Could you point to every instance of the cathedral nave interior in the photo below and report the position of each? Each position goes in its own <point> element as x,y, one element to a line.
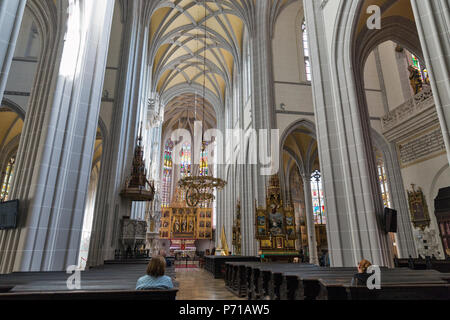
<point>247,136</point>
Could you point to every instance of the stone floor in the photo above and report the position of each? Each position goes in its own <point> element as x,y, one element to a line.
<point>194,284</point>
<point>198,284</point>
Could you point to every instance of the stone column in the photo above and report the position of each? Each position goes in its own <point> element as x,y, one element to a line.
<point>433,20</point>
<point>11,13</point>
<point>57,146</point>
<point>117,161</point>
<point>263,88</point>
<point>310,225</point>
<point>345,151</point>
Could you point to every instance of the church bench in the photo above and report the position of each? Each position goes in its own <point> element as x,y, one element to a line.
<point>291,286</point>
<point>420,292</point>
<point>246,283</point>
<point>423,264</point>
<point>393,289</point>
<point>233,276</point>
<point>139,295</point>
<point>261,276</point>
<point>216,264</point>
<point>276,277</point>
<point>304,284</point>
<point>337,288</point>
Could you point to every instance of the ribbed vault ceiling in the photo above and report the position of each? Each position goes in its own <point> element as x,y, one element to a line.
<point>10,126</point>
<point>177,32</point>
<point>184,110</point>
<point>301,147</point>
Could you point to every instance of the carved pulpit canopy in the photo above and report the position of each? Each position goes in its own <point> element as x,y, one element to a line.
<point>137,186</point>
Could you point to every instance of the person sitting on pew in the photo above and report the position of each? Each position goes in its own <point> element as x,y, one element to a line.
<point>360,279</point>
<point>155,278</point>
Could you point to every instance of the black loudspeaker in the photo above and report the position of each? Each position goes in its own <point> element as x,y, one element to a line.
<point>390,220</point>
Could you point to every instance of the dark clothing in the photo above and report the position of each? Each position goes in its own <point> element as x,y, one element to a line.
<point>360,279</point>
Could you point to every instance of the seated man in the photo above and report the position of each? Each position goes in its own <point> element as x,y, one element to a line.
<point>155,278</point>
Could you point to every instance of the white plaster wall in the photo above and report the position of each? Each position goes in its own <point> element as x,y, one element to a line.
<point>287,45</point>
<point>391,74</point>
<point>291,86</point>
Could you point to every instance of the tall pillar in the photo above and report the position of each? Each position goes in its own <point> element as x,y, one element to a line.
<point>433,24</point>
<point>345,151</point>
<point>263,88</point>
<point>310,225</point>
<point>57,146</point>
<point>11,13</point>
<point>117,161</point>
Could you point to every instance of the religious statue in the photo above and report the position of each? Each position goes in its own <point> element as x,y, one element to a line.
<point>176,226</point>
<point>415,79</point>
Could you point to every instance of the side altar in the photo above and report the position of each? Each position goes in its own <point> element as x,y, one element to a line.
<point>275,226</point>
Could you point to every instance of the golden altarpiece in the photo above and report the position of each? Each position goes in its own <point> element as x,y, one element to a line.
<point>179,222</point>
<point>275,226</point>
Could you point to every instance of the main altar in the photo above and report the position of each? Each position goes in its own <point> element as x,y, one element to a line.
<point>184,225</point>
<point>275,226</point>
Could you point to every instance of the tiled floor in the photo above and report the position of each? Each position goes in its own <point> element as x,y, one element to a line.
<point>198,284</point>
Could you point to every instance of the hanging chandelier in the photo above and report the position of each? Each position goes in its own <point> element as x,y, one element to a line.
<point>200,189</point>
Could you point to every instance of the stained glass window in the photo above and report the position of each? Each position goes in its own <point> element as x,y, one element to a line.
<point>423,71</point>
<point>317,198</point>
<point>382,179</point>
<point>7,177</point>
<point>185,168</point>
<point>204,163</point>
<point>167,173</point>
<point>306,51</point>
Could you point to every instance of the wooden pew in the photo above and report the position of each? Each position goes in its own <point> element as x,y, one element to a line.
<point>423,264</point>
<point>276,277</point>
<point>295,285</point>
<point>216,264</point>
<point>395,284</point>
<point>261,277</point>
<point>139,295</point>
<point>401,292</point>
<point>237,277</point>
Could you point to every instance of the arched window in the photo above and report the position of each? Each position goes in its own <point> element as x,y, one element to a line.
<point>414,62</point>
<point>7,177</point>
<point>185,168</point>
<point>385,193</point>
<point>204,163</point>
<point>317,198</point>
<point>306,51</point>
<point>247,69</point>
<point>167,173</point>
<point>382,179</point>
